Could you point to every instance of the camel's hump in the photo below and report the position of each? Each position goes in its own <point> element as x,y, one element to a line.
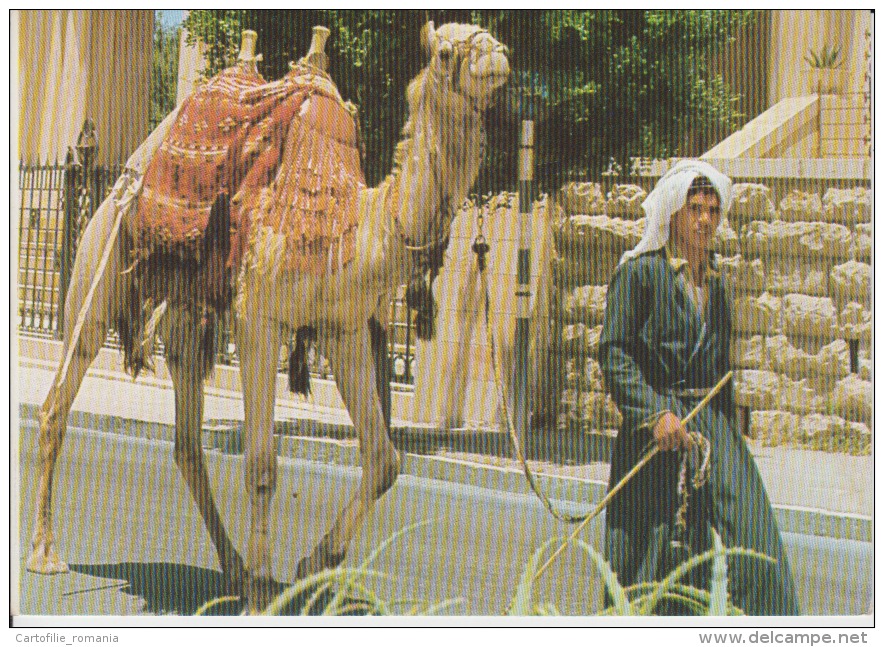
<point>330,118</point>
<point>230,138</point>
<point>310,195</point>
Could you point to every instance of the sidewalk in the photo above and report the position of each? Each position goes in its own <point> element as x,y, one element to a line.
<point>814,493</point>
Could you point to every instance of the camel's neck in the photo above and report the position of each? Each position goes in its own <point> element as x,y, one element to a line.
<point>437,161</point>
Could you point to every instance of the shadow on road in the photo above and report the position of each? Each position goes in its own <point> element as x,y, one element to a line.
<point>571,446</point>
<point>559,446</point>
<point>180,589</point>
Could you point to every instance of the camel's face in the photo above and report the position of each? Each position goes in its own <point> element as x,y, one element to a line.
<point>472,58</point>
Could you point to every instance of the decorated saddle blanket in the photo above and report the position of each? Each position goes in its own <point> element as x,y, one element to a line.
<point>245,155</point>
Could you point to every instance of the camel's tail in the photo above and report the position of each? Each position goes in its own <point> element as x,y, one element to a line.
<point>299,375</point>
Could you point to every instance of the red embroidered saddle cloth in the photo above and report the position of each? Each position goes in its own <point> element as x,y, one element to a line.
<point>284,154</point>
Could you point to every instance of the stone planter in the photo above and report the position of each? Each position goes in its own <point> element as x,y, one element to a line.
<point>826,80</point>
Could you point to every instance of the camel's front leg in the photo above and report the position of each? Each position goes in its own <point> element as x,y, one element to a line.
<point>184,346</point>
<point>353,365</point>
<point>69,376</point>
<point>258,343</point>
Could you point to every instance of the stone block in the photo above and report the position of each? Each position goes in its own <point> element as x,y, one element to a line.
<point>726,240</point>
<point>575,270</point>
<point>786,274</point>
<point>832,361</point>
<point>760,314</point>
<point>625,201</point>
<point>834,434</point>
<point>598,235</point>
<point>593,336</point>
<point>584,375</point>
<point>801,206</point>
<point>601,412</point>
<point>800,396</point>
<point>865,369</point>
<point>774,428</point>
<point>594,409</point>
<point>805,316</point>
<point>851,281</point>
<point>803,239</point>
<point>758,390</point>
<point>573,339</point>
<point>582,198</point>
<point>852,399</point>
<point>855,322</point>
<point>581,340</point>
<point>848,206</point>
<point>742,274</point>
<point>585,305</point>
<point>864,242</point>
<point>751,202</point>
<point>593,374</point>
<point>748,353</point>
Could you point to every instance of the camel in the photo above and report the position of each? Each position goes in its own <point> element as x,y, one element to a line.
<point>403,224</point>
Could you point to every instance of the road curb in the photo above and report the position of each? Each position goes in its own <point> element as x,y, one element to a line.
<point>573,494</point>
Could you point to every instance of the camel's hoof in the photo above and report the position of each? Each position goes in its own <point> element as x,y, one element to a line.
<point>45,561</point>
<point>320,560</point>
<point>260,594</point>
<point>235,578</point>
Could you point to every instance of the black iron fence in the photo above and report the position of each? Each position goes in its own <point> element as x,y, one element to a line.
<point>40,223</point>
<point>56,203</point>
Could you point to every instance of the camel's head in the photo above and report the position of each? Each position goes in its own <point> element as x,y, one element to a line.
<point>469,56</point>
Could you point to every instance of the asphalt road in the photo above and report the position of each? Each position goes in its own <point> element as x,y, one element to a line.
<point>136,544</point>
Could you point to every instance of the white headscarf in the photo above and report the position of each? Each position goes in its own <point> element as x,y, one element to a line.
<point>670,195</point>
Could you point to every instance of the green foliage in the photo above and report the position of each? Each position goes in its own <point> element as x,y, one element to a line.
<point>353,594</point>
<point>643,599</point>
<point>600,84</point>
<point>345,591</point>
<point>164,72</point>
<point>825,58</point>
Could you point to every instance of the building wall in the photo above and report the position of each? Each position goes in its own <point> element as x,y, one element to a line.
<point>797,255</point>
<point>795,33</point>
<point>75,65</point>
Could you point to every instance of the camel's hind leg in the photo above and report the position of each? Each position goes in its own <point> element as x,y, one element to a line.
<point>189,355</point>
<point>354,368</point>
<point>93,317</point>
<point>53,422</point>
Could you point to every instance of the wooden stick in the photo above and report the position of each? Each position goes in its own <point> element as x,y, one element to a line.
<point>644,461</point>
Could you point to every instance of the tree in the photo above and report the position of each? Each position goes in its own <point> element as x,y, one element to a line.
<point>600,84</point>
<point>164,72</point>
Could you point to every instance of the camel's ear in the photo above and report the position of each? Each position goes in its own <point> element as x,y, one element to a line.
<point>428,38</point>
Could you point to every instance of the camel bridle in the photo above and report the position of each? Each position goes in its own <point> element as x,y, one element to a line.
<point>425,254</point>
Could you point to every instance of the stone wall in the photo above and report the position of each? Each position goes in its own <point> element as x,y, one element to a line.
<point>798,261</point>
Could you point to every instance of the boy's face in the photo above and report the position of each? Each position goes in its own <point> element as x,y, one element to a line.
<point>693,226</point>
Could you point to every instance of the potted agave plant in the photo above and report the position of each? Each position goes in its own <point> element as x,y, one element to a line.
<point>826,74</point>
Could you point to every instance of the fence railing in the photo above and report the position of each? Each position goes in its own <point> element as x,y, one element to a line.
<point>40,223</point>
<point>56,203</point>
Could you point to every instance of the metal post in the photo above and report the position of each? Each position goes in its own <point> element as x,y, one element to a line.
<point>72,172</point>
<point>853,345</point>
<point>523,276</point>
<point>79,201</point>
<point>745,421</point>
